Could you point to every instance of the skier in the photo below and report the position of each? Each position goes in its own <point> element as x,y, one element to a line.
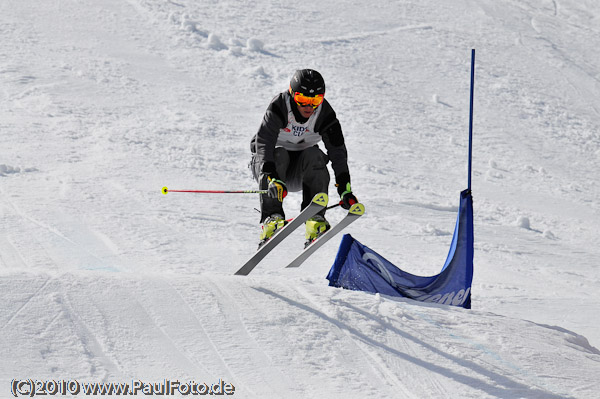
<point>286,155</point>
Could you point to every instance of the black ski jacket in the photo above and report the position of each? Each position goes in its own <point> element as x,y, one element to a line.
<point>283,126</point>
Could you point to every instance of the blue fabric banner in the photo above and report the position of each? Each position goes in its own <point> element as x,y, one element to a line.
<point>359,268</point>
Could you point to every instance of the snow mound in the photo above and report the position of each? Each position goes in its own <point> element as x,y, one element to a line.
<point>280,338</point>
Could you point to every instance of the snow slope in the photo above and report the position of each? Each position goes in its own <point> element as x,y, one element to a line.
<point>103,279</point>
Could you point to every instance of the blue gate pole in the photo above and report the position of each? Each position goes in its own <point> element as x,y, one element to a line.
<point>471,115</point>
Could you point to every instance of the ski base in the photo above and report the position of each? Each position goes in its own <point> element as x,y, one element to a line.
<point>319,202</point>
<point>355,211</point>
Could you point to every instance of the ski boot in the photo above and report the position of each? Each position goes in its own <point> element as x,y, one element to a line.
<point>315,226</point>
<point>270,226</point>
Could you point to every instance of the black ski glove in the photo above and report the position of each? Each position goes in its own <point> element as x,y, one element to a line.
<point>347,199</point>
<point>277,188</point>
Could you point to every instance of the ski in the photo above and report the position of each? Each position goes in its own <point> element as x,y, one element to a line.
<point>355,211</point>
<point>319,202</point>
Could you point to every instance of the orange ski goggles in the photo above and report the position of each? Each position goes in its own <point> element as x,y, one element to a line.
<point>304,101</point>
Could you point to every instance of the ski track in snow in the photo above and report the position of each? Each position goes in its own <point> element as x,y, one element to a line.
<point>377,367</point>
<point>104,279</point>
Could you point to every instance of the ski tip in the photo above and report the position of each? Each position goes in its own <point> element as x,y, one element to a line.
<point>164,190</point>
<point>357,209</point>
<point>321,199</point>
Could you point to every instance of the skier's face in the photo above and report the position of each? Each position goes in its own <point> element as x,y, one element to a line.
<point>306,104</point>
<point>306,110</point>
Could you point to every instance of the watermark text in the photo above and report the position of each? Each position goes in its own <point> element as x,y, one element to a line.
<point>32,387</point>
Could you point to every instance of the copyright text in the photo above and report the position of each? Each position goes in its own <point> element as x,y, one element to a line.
<point>32,387</point>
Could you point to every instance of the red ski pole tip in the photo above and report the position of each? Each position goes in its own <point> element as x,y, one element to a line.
<point>165,190</point>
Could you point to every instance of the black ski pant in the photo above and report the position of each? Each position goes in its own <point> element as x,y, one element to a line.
<point>304,171</point>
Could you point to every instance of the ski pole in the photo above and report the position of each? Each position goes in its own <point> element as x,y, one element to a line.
<point>166,190</point>
<point>290,219</point>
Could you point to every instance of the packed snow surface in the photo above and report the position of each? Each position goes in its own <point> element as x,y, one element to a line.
<point>104,279</point>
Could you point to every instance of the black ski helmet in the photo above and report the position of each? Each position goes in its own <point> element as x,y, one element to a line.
<point>308,82</point>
